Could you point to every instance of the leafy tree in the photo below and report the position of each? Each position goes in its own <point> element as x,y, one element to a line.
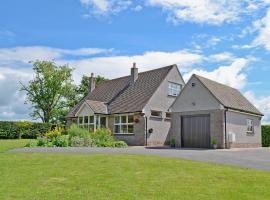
<point>51,93</point>
<point>83,88</point>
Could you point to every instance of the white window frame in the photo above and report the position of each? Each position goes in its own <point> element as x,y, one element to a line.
<point>174,89</point>
<point>120,124</point>
<point>250,125</point>
<point>94,124</point>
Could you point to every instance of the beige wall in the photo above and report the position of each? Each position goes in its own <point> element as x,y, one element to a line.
<point>160,101</point>
<point>237,124</point>
<point>199,95</point>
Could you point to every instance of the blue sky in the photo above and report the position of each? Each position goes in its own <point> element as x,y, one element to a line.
<point>227,41</point>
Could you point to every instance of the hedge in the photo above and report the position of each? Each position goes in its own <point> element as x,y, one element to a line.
<point>266,135</point>
<point>27,130</point>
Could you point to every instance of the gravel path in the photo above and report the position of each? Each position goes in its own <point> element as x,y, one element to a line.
<point>248,158</point>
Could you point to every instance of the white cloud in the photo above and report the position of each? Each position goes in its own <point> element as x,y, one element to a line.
<point>224,56</point>
<point>263,27</point>
<point>262,103</point>
<point>231,75</point>
<point>138,8</point>
<point>105,7</point>
<point>116,66</point>
<point>26,54</point>
<point>201,11</point>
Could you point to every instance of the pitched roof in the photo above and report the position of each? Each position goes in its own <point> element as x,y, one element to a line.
<point>97,106</point>
<point>229,97</point>
<point>122,96</point>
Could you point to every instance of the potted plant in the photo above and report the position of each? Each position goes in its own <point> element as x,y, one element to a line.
<point>173,143</point>
<point>214,143</point>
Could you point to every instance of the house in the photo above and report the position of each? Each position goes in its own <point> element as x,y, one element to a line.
<point>134,107</point>
<point>206,110</point>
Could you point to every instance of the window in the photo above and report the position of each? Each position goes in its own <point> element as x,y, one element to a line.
<point>92,122</point>
<point>168,115</point>
<point>250,127</point>
<point>174,89</point>
<point>123,124</point>
<point>193,84</point>
<point>155,113</point>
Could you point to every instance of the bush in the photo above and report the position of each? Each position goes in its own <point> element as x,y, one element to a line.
<point>55,132</point>
<point>74,130</point>
<point>266,135</point>
<point>76,141</point>
<point>120,144</point>
<point>31,143</point>
<point>61,141</point>
<point>42,142</point>
<point>26,130</point>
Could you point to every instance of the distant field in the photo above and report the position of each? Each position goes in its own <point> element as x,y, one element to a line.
<point>100,176</point>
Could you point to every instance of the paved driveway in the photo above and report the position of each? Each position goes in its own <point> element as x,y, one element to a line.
<point>248,158</point>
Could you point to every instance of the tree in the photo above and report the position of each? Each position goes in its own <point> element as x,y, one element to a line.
<point>50,92</point>
<point>83,88</point>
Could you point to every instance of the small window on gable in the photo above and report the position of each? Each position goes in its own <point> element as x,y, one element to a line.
<point>250,126</point>
<point>193,84</point>
<point>174,89</point>
<point>168,115</point>
<point>155,113</point>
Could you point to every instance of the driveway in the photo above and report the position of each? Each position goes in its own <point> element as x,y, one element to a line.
<point>248,158</point>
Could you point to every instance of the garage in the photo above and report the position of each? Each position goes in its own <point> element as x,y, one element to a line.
<point>196,131</point>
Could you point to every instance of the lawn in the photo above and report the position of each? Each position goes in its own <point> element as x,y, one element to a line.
<point>99,176</point>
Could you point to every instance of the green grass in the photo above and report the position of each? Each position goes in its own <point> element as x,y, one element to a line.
<point>40,176</point>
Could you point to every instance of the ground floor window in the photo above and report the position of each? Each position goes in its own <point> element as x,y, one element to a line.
<point>250,126</point>
<point>124,124</point>
<point>92,122</point>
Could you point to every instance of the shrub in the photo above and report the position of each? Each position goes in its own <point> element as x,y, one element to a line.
<point>26,130</point>
<point>266,135</point>
<point>42,142</point>
<point>77,141</point>
<point>54,133</point>
<point>74,130</point>
<point>120,144</point>
<point>31,143</point>
<point>61,141</point>
<point>102,137</point>
<point>173,142</point>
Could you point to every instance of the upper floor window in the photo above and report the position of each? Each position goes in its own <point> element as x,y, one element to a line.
<point>174,89</point>
<point>250,126</point>
<point>155,113</point>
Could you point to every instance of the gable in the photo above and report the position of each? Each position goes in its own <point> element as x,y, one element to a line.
<point>195,98</point>
<point>160,100</point>
<point>84,110</point>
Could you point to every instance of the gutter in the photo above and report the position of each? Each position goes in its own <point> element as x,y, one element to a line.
<point>225,127</point>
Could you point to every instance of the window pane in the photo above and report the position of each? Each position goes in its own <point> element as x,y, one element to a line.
<point>117,119</point>
<point>123,129</point>
<point>117,129</point>
<point>85,126</point>
<point>80,120</point>
<point>168,115</point>
<point>86,119</point>
<point>91,119</point>
<point>103,122</point>
<point>97,121</point>
<point>130,119</point>
<point>156,113</point>
<point>130,129</point>
<point>123,119</point>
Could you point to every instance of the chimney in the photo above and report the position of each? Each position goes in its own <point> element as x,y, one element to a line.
<point>134,73</point>
<point>92,82</point>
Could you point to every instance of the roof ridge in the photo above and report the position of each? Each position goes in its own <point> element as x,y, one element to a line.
<point>160,68</point>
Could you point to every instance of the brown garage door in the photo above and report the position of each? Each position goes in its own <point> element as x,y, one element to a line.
<point>196,131</point>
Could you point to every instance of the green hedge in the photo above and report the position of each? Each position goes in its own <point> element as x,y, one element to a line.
<point>27,130</point>
<point>266,135</point>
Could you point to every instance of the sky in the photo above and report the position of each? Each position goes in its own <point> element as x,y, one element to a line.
<point>226,40</point>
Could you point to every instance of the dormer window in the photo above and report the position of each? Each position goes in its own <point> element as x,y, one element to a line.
<point>174,89</point>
